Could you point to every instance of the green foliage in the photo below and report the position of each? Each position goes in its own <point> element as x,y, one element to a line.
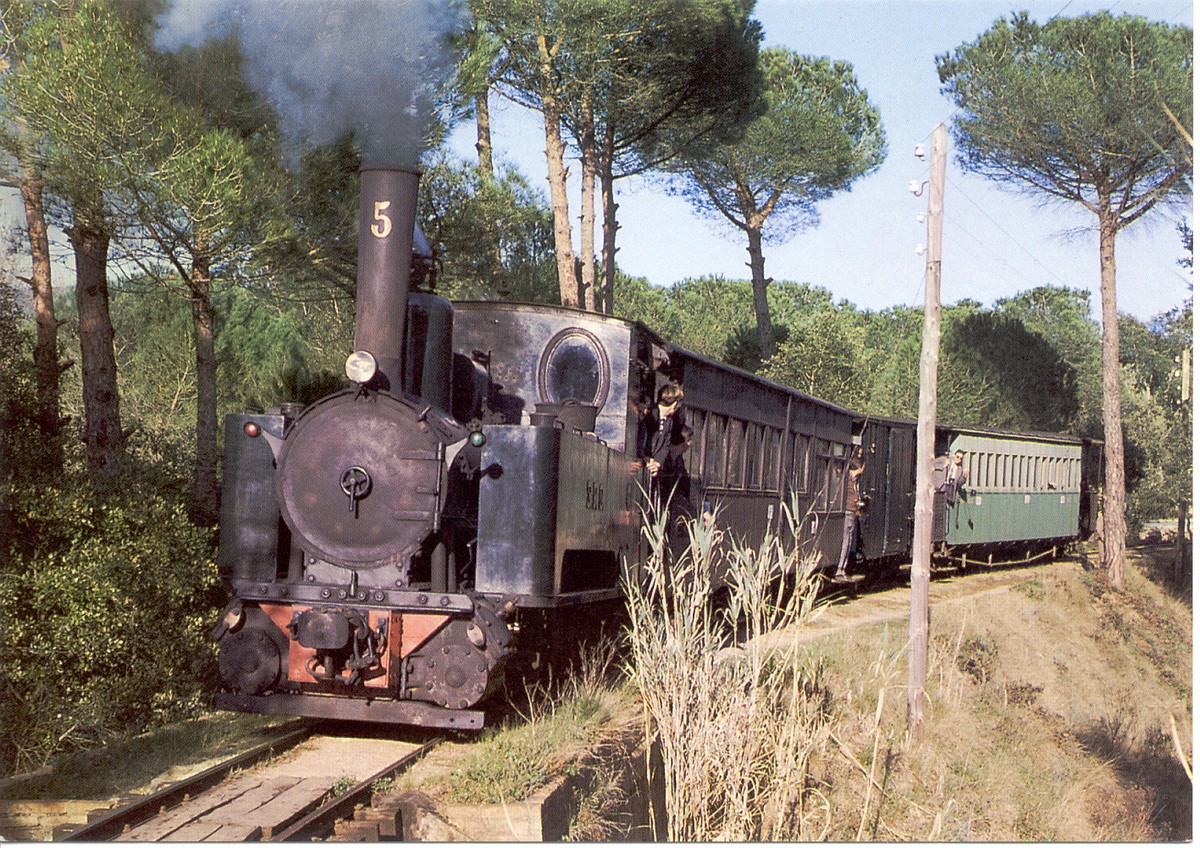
<point>636,299</point>
<point>818,134</point>
<point>742,349</point>
<point>21,445</point>
<point>998,374</point>
<point>462,212</point>
<point>1062,316</point>
<point>1074,108</point>
<point>823,357</point>
<point>106,602</point>
<point>667,79</point>
<point>63,89</point>
<point>210,78</point>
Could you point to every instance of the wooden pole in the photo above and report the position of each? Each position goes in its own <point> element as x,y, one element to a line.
<point>918,627</point>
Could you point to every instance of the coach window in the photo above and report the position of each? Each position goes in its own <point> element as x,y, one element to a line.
<point>800,464</point>
<point>753,456</point>
<point>714,450</point>
<point>695,456</point>
<point>770,464</point>
<point>821,474</point>
<point>737,454</point>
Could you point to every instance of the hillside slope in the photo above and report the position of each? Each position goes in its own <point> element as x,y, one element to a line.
<point>1050,713</point>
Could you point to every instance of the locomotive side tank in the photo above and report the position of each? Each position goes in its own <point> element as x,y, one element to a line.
<point>558,496</point>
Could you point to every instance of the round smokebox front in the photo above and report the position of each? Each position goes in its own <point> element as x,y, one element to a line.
<point>359,479</point>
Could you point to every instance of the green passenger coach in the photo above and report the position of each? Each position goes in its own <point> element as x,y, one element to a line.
<point>1019,488</point>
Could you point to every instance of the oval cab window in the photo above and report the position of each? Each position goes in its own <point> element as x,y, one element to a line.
<point>573,367</point>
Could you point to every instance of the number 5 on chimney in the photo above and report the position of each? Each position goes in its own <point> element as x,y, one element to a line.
<point>383,226</point>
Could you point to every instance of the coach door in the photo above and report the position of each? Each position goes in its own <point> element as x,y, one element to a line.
<point>888,481</point>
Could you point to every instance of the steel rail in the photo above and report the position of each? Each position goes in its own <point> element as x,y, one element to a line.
<point>323,818</point>
<point>113,823</point>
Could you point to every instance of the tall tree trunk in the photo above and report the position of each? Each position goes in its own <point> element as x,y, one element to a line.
<point>758,278</point>
<point>556,174</point>
<point>608,199</point>
<point>205,491</point>
<point>497,280</point>
<point>45,349</point>
<point>1110,363</point>
<point>101,402</point>
<point>587,215</point>
<point>608,253</point>
<point>483,135</point>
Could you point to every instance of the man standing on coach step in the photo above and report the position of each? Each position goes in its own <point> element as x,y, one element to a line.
<point>853,505</point>
<point>663,438</point>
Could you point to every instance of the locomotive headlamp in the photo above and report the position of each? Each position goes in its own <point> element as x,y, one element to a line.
<point>477,438</point>
<point>361,366</point>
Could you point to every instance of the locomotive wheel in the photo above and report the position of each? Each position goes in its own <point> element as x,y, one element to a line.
<point>449,670</point>
<point>249,661</point>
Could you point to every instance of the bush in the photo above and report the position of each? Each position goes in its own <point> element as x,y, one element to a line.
<point>107,603</point>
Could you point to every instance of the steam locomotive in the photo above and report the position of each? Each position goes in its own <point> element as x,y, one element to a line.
<point>389,547</point>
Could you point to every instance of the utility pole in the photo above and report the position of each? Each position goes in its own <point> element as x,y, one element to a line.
<point>918,625</point>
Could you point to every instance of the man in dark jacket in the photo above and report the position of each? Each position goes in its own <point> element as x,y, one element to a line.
<point>663,438</point>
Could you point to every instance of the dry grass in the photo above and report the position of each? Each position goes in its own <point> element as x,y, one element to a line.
<point>736,722</point>
<point>1050,715</point>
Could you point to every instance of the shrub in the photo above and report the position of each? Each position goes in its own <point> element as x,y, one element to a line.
<point>107,601</point>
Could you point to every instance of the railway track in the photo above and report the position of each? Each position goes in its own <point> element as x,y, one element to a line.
<point>300,786</point>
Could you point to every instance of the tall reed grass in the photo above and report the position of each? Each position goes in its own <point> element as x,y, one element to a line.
<point>736,721</point>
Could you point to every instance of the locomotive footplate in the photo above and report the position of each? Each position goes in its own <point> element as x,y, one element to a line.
<point>418,713</point>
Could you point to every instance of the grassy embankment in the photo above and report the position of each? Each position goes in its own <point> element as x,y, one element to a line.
<point>1054,710</point>
<point>1050,713</point>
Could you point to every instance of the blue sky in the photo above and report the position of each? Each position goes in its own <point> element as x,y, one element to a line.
<point>863,249</point>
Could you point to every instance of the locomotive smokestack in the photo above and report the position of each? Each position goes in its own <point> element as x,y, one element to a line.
<point>387,213</point>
